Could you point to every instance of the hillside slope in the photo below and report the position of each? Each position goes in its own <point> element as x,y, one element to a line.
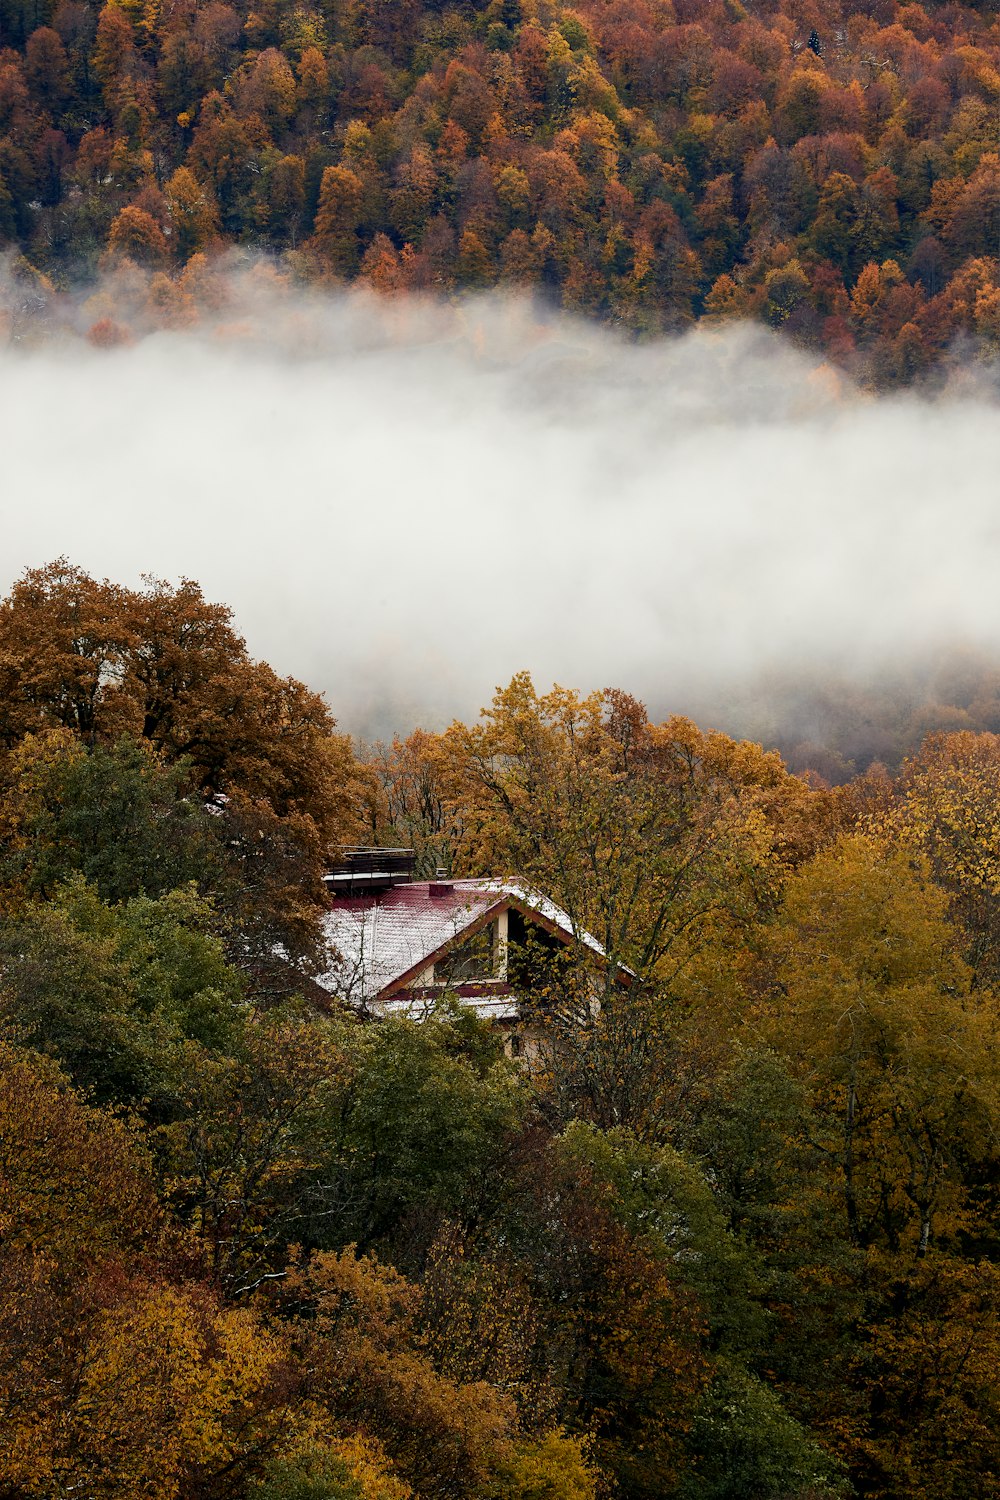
<point>830,168</point>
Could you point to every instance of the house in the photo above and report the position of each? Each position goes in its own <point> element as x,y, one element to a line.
<point>404,943</point>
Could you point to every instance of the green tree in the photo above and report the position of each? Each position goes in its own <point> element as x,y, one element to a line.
<point>118,815</point>
<point>432,1104</point>
<point>246,1156</point>
<point>745,1446</point>
<point>117,993</point>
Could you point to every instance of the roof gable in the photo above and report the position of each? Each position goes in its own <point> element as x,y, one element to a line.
<point>386,941</point>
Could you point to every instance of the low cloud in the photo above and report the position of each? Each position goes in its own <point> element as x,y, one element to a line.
<point>407,502</point>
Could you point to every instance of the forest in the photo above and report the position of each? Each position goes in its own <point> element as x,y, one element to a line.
<point>828,167</point>
<point>732,1234</point>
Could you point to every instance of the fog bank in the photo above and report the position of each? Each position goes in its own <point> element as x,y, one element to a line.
<point>406,503</point>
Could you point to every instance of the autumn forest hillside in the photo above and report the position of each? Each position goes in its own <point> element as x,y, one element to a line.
<point>829,167</point>
<point>730,1235</point>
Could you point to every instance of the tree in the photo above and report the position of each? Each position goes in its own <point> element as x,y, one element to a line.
<point>271,788</point>
<point>945,806</point>
<point>286,191</point>
<point>620,1334</point>
<point>412,799</point>
<point>744,1444</point>
<point>47,66</point>
<point>114,52</point>
<point>791,1298</point>
<point>473,265</point>
<point>76,1196</point>
<point>135,235</point>
<point>127,821</point>
<point>432,1105</point>
<point>223,155</point>
<point>785,287</point>
<point>351,1469</point>
<point>314,83</point>
<point>76,1182</point>
<point>167,666</point>
<point>193,218</point>
<point>929,1356</point>
<point>118,815</point>
<point>338,218</point>
<point>875,1004</point>
<point>833,231</point>
<point>552,1467</point>
<point>664,843</point>
<point>172,1386</point>
<point>246,1154</point>
<point>663,1196</point>
<point>118,993</point>
<point>267,89</point>
<point>354,1332</point>
<point>62,636</point>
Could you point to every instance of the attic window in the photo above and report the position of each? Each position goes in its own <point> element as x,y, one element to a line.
<point>475,958</point>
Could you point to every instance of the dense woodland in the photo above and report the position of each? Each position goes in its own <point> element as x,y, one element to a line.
<point>835,726</point>
<point>734,1236</point>
<point>827,166</point>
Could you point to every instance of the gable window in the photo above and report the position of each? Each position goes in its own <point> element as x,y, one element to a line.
<point>474,959</point>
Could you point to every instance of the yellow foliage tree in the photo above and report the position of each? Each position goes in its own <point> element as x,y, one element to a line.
<point>356,1335</point>
<point>946,805</point>
<point>552,1467</point>
<point>873,1003</point>
<point>171,1387</point>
